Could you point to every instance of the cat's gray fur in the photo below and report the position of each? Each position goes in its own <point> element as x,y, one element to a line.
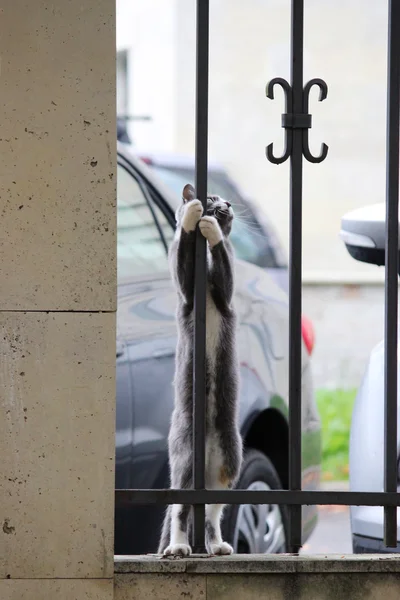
<point>223,441</point>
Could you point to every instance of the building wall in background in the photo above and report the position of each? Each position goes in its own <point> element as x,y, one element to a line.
<point>146,30</point>
<point>345,44</point>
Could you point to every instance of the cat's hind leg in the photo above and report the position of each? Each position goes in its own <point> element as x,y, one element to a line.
<point>165,532</point>
<point>179,536</point>
<point>215,543</point>
<point>217,479</point>
<point>179,515</point>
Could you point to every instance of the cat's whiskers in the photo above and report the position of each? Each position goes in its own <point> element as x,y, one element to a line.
<point>253,229</point>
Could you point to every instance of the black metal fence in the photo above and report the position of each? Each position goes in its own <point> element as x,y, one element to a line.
<point>296,121</point>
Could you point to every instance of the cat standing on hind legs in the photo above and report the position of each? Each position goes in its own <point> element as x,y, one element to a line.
<point>223,441</point>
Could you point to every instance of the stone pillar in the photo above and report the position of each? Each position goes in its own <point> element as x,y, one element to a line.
<point>57,299</point>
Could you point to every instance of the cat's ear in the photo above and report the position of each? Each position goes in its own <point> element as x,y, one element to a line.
<point>188,193</point>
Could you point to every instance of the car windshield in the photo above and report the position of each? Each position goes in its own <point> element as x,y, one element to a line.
<point>251,241</point>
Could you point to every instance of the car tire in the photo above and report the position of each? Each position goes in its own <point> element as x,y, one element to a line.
<point>256,529</point>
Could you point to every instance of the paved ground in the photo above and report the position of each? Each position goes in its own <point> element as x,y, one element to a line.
<point>332,534</point>
<point>340,357</point>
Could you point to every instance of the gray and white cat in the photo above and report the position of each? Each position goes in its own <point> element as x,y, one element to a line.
<point>223,441</point>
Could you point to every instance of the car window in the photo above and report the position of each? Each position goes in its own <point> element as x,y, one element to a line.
<point>248,237</point>
<point>140,248</point>
<point>250,244</point>
<point>166,228</point>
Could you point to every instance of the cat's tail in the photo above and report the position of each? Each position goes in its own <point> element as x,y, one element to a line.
<point>165,532</point>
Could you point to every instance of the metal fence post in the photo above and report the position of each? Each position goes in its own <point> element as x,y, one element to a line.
<point>199,342</point>
<point>295,270</point>
<point>392,267</point>
<point>296,122</point>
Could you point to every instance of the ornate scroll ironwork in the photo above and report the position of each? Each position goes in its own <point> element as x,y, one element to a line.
<point>292,120</point>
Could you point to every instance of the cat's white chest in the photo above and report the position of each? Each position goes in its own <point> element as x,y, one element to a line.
<point>213,326</point>
<point>213,322</point>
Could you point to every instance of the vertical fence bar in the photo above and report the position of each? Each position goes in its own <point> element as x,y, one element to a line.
<point>295,268</point>
<point>199,344</point>
<point>392,268</point>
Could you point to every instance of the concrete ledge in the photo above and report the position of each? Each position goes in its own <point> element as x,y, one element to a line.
<point>260,564</point>
<point>258,577</point>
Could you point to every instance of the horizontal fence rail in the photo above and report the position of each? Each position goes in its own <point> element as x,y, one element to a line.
<point>296,122</point>
<point>301,497</point>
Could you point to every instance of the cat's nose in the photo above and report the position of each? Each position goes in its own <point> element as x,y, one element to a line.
<point>228,204</point>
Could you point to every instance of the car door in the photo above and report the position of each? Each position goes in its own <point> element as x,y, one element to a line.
<point>147,335</point>
<point>123,437</point>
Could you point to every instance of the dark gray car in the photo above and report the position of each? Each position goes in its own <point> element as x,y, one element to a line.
<point>145,363</point>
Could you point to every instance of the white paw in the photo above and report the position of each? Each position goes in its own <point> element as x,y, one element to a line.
<point>220,549</point>
<point>178,550</point>
<point>192,214</point>
<point>211,230</point>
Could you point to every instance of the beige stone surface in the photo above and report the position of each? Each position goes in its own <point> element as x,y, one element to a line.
<point>268,586</point>
<point>57,155</point>
<point>260,564</point>
<point>57,399</point>
<point>61,589</point>
<point>160,587</point>
<point>344,586</point>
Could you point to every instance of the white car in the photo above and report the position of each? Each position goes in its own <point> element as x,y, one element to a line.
<point>363,232</point>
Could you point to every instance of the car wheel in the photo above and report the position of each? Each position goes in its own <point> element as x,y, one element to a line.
<point>257,528</point>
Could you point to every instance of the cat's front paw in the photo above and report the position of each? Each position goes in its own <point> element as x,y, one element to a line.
<point>211,230</point>
<point>178,550</point>
<point>221,549</point>
<point>192,215</point>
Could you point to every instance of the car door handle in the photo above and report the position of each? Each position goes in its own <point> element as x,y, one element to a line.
<point>163,352</point>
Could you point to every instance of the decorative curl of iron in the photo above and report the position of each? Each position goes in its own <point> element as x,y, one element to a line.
<point>292,121</point>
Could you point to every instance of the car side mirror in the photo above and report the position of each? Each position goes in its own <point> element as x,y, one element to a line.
<point>363,232</point>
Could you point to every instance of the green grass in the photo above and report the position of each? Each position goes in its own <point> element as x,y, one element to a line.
<point>335,408</point>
